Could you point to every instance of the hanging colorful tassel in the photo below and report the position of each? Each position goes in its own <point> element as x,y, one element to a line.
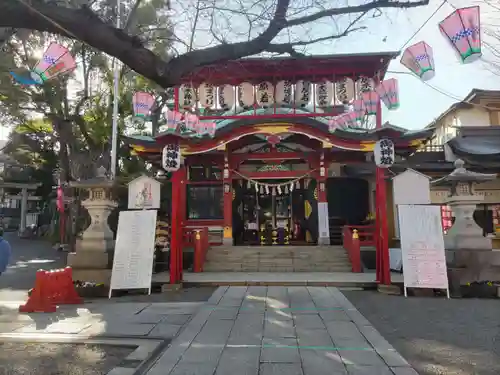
<point>267,189</point>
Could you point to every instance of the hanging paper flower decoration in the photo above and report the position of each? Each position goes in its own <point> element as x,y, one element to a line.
<point>419,59</point>
<point>208,128</point>
<point>142,103</point>
<point>56,60</point>
<point>191,121</point>
<point>333,124</point>
<point>389,93</point>
<point>359,108</point>
<point>23,81</point>
<point>173,118</point>
<point>371,100</point>
<point>463,30</point>
<point>351,119</point>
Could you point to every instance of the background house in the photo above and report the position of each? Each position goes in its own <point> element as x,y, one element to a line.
<point>471,112</point>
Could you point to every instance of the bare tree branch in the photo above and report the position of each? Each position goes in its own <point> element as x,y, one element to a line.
<point>132,14</point>
<point>83,24</point>
<point>289,47</point>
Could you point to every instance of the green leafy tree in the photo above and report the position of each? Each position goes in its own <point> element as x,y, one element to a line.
<point>77,110</point>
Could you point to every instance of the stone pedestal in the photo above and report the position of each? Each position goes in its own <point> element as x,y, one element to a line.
<point>465,234</point>
<point>94,249</point>
<point>92,260</point>
<point>469,255</point>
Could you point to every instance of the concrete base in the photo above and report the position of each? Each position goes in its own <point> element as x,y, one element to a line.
<point>95,242</point>
<point>392,290</point>
<point>472,242</point>
<point>89,260</point>
<point>92,275</point>
<point>473,265</point>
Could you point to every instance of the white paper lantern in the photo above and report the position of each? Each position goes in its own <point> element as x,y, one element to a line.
<point>265,94</point>
<point>324,94</point>
<point>206,95</point>
<point>283,92</point>
<point>344,91</point>
<point>227,97</point>
<point>384,153</point>
<point>246,95</point>
<point>171,157</point>
<point>302,94</point>
<point>187,96</point>
<point>364,84</point>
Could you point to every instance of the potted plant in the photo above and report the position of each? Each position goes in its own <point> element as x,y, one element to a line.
<point>480,289</point>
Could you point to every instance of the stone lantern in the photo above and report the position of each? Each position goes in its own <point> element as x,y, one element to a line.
<point>92,259</point>
<point>466,248</point>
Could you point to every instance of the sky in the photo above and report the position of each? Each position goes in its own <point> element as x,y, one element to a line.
<point>391,31</point>
<point>420,104</point>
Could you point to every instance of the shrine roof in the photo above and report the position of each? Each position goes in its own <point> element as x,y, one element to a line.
<point>227,126</point>
<point>350,139</point>
<point>312,68</point>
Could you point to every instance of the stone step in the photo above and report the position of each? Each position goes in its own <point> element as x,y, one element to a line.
<point>277,259</point>
<point>275,269</point>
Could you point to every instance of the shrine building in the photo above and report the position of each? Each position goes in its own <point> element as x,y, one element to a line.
<point>274,171</point>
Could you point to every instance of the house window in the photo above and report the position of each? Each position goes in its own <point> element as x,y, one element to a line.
<point>205,202</point>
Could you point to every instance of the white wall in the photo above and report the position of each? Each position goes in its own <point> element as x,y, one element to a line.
<point>475,116</point>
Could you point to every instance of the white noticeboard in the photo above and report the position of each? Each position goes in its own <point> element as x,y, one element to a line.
<point>422,245</point>
<point>134,251</point>
<point>323,227</point>
<point>144,193</point>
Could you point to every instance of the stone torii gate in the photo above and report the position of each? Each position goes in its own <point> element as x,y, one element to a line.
<point>24,188</point>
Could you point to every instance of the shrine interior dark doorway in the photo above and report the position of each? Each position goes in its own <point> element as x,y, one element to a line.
<point>275,210</point>
<point>348,204</point>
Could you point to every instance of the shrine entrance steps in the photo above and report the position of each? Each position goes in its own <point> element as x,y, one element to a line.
<point>277,259</point>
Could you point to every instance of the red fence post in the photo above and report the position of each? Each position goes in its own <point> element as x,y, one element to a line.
<point>198,251</point>
<point>356,252</point>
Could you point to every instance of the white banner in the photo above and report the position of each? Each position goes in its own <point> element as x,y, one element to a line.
<point>323,225</point>
<point>134,250</point>
<point>422,245</point>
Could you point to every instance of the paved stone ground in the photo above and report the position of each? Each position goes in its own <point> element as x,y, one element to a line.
<point>127,319</point>
<point>28,256</point>
<point>436,335</point>
<point>56,359</point>
<point>279,330</point>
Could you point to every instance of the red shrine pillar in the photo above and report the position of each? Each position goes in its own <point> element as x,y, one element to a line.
<point>228,202</point>
<point>323,222</point>
<point>177,224</point>
<point>383,271</point>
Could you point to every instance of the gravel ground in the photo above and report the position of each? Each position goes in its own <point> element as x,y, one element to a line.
<point>437,336</point>
<point>59,359</point>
